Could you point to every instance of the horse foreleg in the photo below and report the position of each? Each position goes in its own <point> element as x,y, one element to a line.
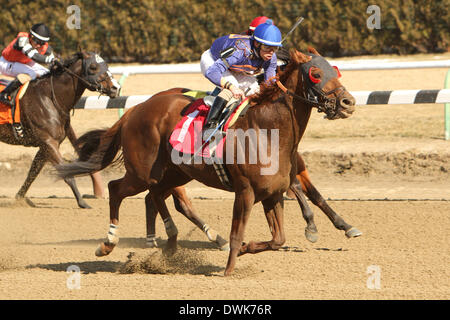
<point>311,229</point>
<point>317,199</point>
<point>118,190</point>
<point>36,166</point>
<point>243,203</point>
<point>273,209</point>
<point>184,206</point>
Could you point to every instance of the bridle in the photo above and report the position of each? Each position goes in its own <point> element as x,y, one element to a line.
<point>94,85</point>
<point>316,97</point>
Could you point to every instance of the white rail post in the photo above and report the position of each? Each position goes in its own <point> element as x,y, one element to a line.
<point>447,109</point>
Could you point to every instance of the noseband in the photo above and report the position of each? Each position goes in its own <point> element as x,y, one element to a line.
<point>313,93</point>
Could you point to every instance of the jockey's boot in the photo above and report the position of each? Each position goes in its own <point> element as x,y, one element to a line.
<point>6,96</point>
<point>214,113</point>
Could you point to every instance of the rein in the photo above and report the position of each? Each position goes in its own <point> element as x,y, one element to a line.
<point>87,83</point>
<point>321,106</point>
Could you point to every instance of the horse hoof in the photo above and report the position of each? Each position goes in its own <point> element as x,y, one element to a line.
<point>311,236</point>
<point>104,249</point>
<point>84,205</point>
<point>353,233</point>
<point>171,246</point>
<point>222,243</point>
<point>25,202</point>
<point>151,244</point>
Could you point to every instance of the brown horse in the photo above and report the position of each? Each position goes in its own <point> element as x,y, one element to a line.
<point>303,183</point>
<point>281,111</point>
<point>45,112</point>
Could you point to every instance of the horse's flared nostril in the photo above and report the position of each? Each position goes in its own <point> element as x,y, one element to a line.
<point>348,102</point>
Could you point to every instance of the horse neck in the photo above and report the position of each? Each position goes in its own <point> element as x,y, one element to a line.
<point>67,89</point>
<point>300,111</point>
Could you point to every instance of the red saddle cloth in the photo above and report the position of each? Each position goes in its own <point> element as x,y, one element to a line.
<point>5,110</point>
<point>187,137</point>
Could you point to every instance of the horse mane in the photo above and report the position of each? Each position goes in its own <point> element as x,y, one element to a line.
<point>271,92</point>
<point>57,70</point>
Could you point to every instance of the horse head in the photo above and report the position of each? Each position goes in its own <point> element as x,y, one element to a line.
<point>93,72</point>
<point>321,85</point>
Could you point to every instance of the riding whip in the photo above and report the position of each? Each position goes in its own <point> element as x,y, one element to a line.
<point>293,28</point>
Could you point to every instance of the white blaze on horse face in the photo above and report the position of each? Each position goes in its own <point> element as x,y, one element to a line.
<point>98,59</point>
<point>114,81</point>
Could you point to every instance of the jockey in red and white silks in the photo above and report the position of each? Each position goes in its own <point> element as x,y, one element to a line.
<point>24,55</point>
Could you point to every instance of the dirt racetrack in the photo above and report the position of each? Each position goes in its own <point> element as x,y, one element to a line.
<point>385,170</point>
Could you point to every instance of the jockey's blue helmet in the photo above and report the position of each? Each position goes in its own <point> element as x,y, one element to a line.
<point>268,34</point>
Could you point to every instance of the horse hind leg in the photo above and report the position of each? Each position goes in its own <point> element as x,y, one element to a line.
<point>118,190</point>
<point>150,216</point>
<point>55,157</point>
<point>36,166</point>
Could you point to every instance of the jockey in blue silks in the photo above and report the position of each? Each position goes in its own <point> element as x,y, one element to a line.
<point>234,60</point>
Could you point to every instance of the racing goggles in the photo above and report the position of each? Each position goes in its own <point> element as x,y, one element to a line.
<point>265,47</point>
<point>38,41</point>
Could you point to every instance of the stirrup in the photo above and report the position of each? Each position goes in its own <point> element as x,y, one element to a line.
<point>6,100</point>
<point>18,130</point>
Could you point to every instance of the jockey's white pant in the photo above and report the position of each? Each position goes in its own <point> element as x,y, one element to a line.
<point>241,80</point>
<point>13,69</point>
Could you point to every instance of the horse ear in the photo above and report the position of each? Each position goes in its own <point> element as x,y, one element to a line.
<point>313,51</point>
<point>299,57</point>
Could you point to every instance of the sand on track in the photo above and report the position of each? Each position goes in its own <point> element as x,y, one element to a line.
<point>385,169</point>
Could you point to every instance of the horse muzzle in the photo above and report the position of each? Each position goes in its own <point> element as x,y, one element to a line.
<point>345,107</point>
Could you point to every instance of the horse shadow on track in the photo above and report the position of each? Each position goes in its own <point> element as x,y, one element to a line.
<point>86,267</point>
<point>135,243</point>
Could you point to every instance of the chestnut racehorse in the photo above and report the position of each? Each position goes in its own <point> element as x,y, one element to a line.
<point>281,110</point>
<point>45,112</point>
<point>303,183</point>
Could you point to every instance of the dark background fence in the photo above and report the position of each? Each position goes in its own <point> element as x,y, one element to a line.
<point>156,31</point>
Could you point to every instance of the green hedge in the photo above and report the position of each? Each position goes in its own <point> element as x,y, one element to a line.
<point>165,31</point>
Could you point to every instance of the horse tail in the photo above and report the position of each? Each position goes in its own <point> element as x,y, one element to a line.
<point>97,149</point>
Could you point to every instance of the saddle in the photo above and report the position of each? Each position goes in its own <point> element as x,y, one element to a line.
<point>11,115</point>
<point>195,145</point>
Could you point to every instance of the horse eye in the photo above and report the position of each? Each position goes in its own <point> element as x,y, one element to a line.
<point>314,77</point>
<point>93,67</point>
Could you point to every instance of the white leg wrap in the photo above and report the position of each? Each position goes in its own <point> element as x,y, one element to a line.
<point>213,236</point>
<point>171,229</point>
<point>151,241</point>
<point>210,233</point>
<point>113,234</point>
